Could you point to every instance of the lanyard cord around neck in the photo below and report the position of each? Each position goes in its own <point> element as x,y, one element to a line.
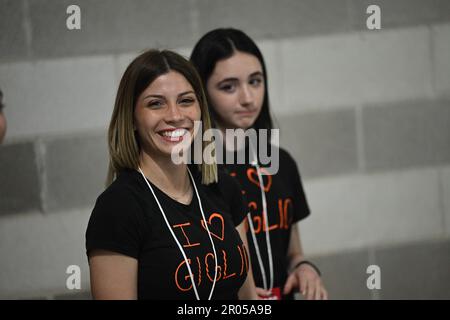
<point>266,225</point>
<point>176,239</point>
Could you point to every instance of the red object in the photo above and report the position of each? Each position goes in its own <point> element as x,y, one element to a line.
<point>275,295</point>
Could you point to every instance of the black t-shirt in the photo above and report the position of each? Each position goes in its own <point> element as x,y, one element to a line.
<point>286,205</point>
<point>127,220</point>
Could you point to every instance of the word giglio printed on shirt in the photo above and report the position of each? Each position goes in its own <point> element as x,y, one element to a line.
<point>203,266</point>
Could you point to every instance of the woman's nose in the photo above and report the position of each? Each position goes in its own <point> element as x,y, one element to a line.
<point>173,113</point>
<point>246,95</point>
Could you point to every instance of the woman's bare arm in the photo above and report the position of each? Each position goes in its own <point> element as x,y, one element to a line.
<point>248,289</point>
<point>113,275</point>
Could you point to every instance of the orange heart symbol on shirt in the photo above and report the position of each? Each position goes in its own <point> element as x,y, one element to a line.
<point>252,175</point>
<point>215,216</point>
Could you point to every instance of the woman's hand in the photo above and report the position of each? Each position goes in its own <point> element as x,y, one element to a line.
<point>309,283</point>
<point>263,293</point>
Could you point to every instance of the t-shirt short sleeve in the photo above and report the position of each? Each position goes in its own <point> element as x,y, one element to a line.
<point>301,207</point>
<point>235,197</point>
<point>115,223</point>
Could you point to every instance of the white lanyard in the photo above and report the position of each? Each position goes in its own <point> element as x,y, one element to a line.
<point>178,243</point>
<point>266,225</point>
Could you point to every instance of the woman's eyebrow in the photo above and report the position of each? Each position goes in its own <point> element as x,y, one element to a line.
<point>186,92</point>
<point>233,79</point>
<point>256,73</point>
<point>227,80</point>
<point>154,96</point>
<point>163,97</point>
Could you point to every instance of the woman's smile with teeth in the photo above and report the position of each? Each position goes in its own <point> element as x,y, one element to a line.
<point>173,135</point>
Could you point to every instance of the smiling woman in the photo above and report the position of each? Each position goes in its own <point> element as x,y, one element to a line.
<point>163,230</point>
<point>165,112</point>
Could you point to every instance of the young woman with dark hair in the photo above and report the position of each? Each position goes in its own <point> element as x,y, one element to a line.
<point>234,74</point>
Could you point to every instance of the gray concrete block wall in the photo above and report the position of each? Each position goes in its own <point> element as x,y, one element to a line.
<point>58,96</point>
<point>78,171</point>
<point>364,210</point>
<point>375,61</point>
<point>20,175</point>
<point>441,62</point>
<point>364,113</point>
<point>412,271</point>
<point>323,142</point>
<point>345,274</point>
<point>14,43</point>
<point>287,18</point>
<point>121,26</point>
<point>423,268</point>
<point>445,199</point>
<point>400,13</point>
<point>407,134</point>
<point>38,248</point>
